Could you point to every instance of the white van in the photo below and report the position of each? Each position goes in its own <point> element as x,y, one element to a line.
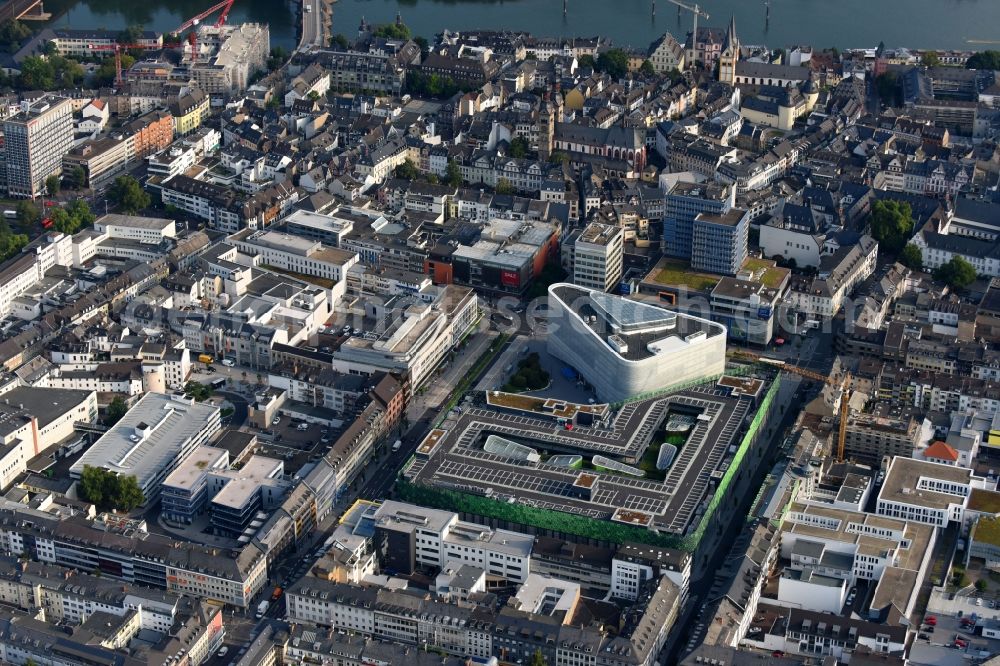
<point>228,362</point>
<point>397,445</point>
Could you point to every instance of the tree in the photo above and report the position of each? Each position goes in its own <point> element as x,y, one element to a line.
<point>106,73</point>
<point>67,73</point>
<point>613,62</point>
<point>392,31</point>
<point>37,74</point>
<point>957,273</point>
<point>127,193</point>
<point>198,391</point>
<point>519,147</point>
<point>453,174</point>
<point>11,244</point>
<point>425,48</point>
<point>911,257</point>
<point>93,485</point>
<point>128,494</point>
<point>73,217</point>
<point>504,186</point>
<point>108,491</point>
<point>558,157</point>
<point>277,58</point>
<point>930,59</point>
<point>341,42</point>
<point>538,659</point>
<point>586,61</point>
<point>52,185</point>
<point>12,33</point>
<point>407,170</point>
<point>76,177</point>
<point>116,410</point>
<point>646,68</point>
<point>891,224</point>
<point>980,584</point>
<point>28,214</point>
<point>984,60</point>
<point>130,35</point>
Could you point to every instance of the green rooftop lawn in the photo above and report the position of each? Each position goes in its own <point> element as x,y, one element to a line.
<point>772,275</point>
<point>678,273</point>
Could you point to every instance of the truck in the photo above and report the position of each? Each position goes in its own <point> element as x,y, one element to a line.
<point>262,608</point>
<point>205,358</point>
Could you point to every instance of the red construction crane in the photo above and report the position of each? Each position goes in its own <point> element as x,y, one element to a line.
<point>225,6</point>
<point>118,48</point>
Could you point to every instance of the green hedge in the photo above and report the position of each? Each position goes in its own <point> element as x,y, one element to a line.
<point>543,519</point>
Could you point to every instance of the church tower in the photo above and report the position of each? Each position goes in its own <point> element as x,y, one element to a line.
<point>546,128</point>
<point>730,55</point>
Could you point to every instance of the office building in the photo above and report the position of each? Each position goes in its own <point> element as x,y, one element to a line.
<point>407,536</point>
<point>598,254</point>
<point>626,348</point>
<point>684,203</point>
<point>156,435</point>
<point>719,241</point>
<point>930,493</point>
<point>35,141</point>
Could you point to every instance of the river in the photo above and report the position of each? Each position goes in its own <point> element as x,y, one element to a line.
<point>942,24</point>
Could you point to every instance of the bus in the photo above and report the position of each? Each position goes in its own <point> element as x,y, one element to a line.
<point>218,383</point>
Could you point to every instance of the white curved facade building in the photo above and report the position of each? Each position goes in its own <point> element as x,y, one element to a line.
<point>625,348</point>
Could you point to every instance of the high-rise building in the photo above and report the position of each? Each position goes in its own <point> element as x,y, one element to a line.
<point>683,203</point>
<point>597,256</point>
<point>35,141</point>
<point>719,241</point>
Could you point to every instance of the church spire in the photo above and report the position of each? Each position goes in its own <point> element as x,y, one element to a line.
<point>731,33</point>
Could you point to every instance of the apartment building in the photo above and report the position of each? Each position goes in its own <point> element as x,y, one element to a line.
<point>232,577</point>
<point>35,140</point>
<point>539,620</point>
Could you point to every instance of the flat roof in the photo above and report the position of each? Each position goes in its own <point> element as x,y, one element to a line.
<point>635,330</point>
<point>196,465</point>
<point>135,221</point>
<point>903,483</point>
<point>459,463</point>
<point>167,423</point>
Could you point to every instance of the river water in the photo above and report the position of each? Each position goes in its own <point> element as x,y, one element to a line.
<point>960,24</point>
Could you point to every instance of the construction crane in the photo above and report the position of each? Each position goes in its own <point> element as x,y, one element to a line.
<point>119,48</point>
<point>696,11</point>
<point>225,6</point>
<point>844,384</point>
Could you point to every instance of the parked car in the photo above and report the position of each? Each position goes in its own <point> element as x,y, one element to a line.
<point>223,652</point>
